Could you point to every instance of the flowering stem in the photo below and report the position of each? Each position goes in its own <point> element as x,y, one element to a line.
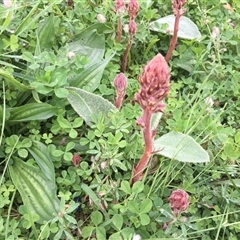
<point>174,37</point>
<point>125,55</point>
<point>119,30</point>
<point>148,140</point>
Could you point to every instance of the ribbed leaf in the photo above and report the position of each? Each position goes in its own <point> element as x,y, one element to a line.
<point>31,111</point>
<point>90,44</point>
<point>39,151</point>
<point>90,77</point>
<point>187,28</point>
<point>87,104</point>
<point>180,147</point>
<point>37,191</point>
<point>46,32</point>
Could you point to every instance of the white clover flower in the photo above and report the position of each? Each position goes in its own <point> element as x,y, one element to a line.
<point>70,55</point>
<point>136,237</point>
<point>7,3</point>
<point>126,28</point>
<point>101,18</point>
<point>215,32</point>
<point>209,101</point>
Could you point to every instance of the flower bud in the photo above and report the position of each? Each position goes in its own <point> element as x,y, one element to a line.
<point>120,82</point>
<point>133,8</point>
<point>155,84</point>
<point>215,32</point>
<point>132,27</point>
<point>179,201</point>
<point>101,18</point>
<point>76,159</point>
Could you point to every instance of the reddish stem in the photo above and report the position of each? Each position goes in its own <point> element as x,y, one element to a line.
<point>174,37</point>
<point>119,99</point>
<point>148,140</point>
<point>125,56</point>
<point>119,30</point>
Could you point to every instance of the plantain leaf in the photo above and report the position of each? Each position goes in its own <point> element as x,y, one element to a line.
<point>46,33</point>
<point>90,77</point>
<point>90,44</point>
<point>87,104</point>
<point>40,153</point>
<point>31,111</point>
<point>37,191</point>
<point>187,28</point>
<point>180,147</point>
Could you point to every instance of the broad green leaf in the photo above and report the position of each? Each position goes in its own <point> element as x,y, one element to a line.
<point>10,79</point>
<point>90,44</point>
<point>46,33</point>
<point>187,28</point>
<point>40,153</point>
<point>96,218</point>
<point>87,231</point>
<point>37,191</point>
<point>146,206</point>
<point>137,187</point>
<point>31,111</point>
<point>90,77</point>
<point>125,186</point>
<point>117,221</point>
<point>100,232</point>
<point>145,219</point>
<point>180,147</point>
<point>133,207</point>
<point>87,104</point>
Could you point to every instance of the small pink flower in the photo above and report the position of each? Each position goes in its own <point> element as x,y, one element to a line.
<point>179,201</point>
<point>133,8</point>
<point>132,27</point>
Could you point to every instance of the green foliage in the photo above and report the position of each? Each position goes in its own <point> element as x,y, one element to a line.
<point>67,153</point>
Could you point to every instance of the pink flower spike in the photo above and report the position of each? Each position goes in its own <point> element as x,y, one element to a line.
<point>155,84</point>
<point>119,7</point>
<point>133,8</point>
